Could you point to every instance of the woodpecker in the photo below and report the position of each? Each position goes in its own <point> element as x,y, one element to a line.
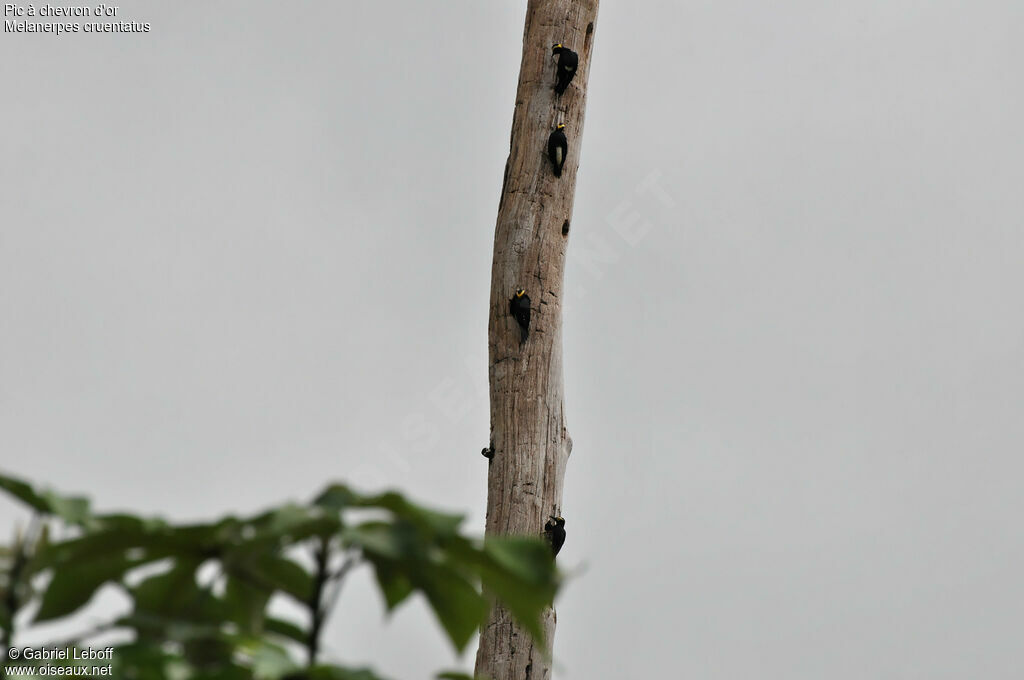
<point>566,62</point>
<point>488,452</point>
<point>554,532</point>
<point>519,305</point>
<point>558,149</point>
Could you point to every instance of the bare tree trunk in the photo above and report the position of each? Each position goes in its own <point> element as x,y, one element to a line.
<point>528,430</point>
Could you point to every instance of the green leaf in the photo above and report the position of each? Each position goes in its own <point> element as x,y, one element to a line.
<point>270,661</point>
<point>340,497</point>
<point>442,524</point>
<point>521,574</point>
<point>151,539</point>
<point>92,546</point>
<point>454,675</point>
<point>208,653</point>
<point>73,510</point>
<point>222,672</point>
<point>334,673</point>
<point>142,661</point>
<point>286,629</point>
<point>176,595</point>
<point>194,540</point>
<point>281,573</point>
<point>392,541</point>
<point>336,497</point>
<point>457,604</point>
<point>528,559</point>
<point>73,587</point>
<point>158,629</point>
<point>24,493</point>
<point>292,522</point>
<point>393,581</point>
<point>245,604</point>
<point>286,518</point>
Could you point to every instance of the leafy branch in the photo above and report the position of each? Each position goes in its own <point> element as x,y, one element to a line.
<point>186,625</point>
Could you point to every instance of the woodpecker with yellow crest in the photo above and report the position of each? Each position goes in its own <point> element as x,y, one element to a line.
<point>566,63</point>
<point>519,306</point>
<point>558,149</point>
<point>554,532</point>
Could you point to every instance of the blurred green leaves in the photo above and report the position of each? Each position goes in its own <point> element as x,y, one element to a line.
<point>73,510</point>
<point>201,593</point>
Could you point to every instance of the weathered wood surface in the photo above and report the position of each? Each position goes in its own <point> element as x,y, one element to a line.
<point>528,425</point>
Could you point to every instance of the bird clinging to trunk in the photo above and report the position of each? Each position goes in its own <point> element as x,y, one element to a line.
<point>519,306</point>
<point>554,532</point>
<point>558,149</point>
<point>566,63</point>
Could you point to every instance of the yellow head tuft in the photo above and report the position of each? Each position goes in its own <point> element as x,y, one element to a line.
<point>557,45</point>
<point>521,292</point>
<point>561,126</point>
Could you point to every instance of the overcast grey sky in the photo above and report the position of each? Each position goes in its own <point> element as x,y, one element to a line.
<point>248,252</point>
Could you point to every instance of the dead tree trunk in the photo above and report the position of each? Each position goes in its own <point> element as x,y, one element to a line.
<point>528,429</point>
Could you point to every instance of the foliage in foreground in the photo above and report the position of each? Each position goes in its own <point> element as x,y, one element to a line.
<point>200,593</point>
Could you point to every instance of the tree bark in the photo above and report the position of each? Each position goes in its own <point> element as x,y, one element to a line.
<point>528,428</point>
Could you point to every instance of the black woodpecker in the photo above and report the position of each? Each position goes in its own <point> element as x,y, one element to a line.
<point>519,305</point>
<point>488,452</point>
<point>567,62</point>
<point>554,532</point>
<point>558,149</point>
